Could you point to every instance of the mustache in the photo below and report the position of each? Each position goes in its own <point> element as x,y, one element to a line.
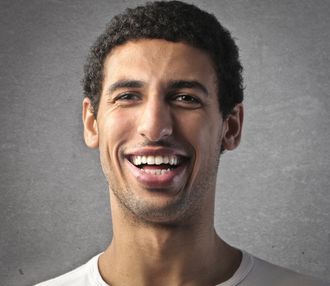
<point>160,143</point>
<point>165,143</point>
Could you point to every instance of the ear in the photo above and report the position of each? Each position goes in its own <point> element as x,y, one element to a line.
<point>91,133</point>
<point>232,129</point>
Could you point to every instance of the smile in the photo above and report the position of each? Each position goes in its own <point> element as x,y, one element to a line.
<point>157,170</point>
<point>155,165</point>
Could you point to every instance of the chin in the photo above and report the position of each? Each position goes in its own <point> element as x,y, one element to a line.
<point>169,213</point>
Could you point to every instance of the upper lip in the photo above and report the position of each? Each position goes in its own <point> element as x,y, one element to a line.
<point>156,151</point>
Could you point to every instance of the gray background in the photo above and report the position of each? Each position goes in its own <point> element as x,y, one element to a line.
<point>273,192</point>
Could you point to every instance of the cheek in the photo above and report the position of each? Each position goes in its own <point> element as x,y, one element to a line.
<point>114,129</point>
<point>202,131</point>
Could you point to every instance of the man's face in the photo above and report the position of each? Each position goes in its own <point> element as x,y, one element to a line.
<point>159,129</point>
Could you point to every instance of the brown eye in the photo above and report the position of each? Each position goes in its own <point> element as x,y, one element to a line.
<point>128,96</point>
<point>186,101</point>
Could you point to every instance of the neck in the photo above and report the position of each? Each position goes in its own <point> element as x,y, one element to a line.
<point>151,254</point>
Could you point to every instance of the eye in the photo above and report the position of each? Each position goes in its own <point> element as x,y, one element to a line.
<point>187,101</point>
<point>126,99</point>
<point>127,96</point>
<point>186,98</point>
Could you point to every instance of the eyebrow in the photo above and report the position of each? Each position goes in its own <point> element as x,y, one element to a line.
<point>125,84</point>
<point>175,84</point>
<point>179,84</point>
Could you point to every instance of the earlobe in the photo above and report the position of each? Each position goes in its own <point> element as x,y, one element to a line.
<point>232,130</point>
<point>91,135</point>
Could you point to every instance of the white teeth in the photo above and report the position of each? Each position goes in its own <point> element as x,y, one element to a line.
<point>137,160</point>
<point>156,172</point>
<point>150,160</point>
<point>158,160</point>
<point>166,159</point>
<point>155,160</point>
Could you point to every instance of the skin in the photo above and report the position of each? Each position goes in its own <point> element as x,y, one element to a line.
<point>156,225</point>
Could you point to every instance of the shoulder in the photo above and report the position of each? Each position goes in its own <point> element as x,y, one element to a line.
<point>265,273</point>
<point>85,275</point>
<point>75,277</point>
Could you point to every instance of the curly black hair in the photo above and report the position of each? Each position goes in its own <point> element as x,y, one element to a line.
<point>173,21</point>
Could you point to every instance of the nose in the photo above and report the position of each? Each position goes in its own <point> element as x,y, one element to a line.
<point>155,122</point>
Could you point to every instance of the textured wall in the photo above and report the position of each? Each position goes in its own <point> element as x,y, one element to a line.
<point>273,192</point>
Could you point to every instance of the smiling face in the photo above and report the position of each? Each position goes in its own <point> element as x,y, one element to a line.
<point>158,129</point>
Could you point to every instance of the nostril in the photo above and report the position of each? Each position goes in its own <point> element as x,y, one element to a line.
<point>155,133</point>
<point>166,132</point>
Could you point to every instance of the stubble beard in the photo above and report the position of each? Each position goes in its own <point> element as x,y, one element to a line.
<point>185,208</point>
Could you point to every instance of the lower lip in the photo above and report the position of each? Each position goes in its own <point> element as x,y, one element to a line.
<point>152,181</point>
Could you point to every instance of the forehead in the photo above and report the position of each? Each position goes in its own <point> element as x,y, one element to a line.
<point>158,60</point>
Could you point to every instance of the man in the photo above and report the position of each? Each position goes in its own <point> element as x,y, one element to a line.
<point>163,99</point>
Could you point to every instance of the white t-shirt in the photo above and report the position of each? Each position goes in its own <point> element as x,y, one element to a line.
<point>251,272</point>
